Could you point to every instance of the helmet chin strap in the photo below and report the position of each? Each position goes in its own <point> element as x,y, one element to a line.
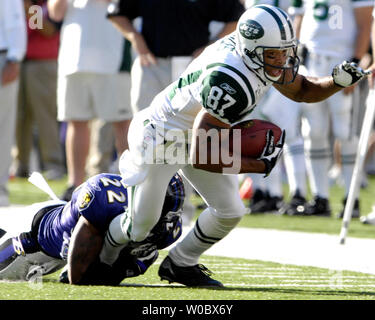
<point>260,70</point>
<point>268,77</point>
<point>265,76</point>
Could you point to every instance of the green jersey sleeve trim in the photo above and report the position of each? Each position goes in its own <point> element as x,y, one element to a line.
<point>185,81</point>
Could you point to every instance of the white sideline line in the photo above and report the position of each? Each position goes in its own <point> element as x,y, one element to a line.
<point>253,270</point>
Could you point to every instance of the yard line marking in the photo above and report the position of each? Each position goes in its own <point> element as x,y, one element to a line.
<point>317,281</point>
<point>305,277</point>
<point>339,286</point>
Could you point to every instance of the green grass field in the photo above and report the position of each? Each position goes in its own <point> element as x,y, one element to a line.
<point>243,279</point>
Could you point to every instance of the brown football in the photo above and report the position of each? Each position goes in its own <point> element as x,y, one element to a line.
<point>253,136</point>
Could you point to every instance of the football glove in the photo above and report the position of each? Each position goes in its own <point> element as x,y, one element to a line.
<point>270,159</point>
<point>348,73</point>
<point>269,147</point>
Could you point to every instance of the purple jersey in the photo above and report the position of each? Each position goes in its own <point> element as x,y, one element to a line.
<point>99,200</point>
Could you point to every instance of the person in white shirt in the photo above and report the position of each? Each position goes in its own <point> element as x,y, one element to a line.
<point>332,31</point>
<point>12,50</point>
<point>90,85</point>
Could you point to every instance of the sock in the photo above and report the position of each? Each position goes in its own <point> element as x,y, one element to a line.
<point>273,182</point>
<point>208,230</point>
<point>258,181</point>
<point>317,165</point>
<point>294,160</point>
<point>116,238</point>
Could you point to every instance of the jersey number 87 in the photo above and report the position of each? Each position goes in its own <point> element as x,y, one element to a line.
<point>214,98</point>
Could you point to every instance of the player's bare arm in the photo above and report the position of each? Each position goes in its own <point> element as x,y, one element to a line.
<point>85,245</point>
<point>204,121</point>
<point>315,89</point>
<point>309,89</point>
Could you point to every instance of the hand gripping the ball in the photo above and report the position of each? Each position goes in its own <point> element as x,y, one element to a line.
<point>272,152</point>
<point>348,73</point>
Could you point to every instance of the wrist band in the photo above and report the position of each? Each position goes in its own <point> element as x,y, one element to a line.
<point>355,60</point>
<point>268,166</point>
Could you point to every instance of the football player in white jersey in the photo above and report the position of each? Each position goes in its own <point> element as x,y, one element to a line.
<point>218,89</point>
<point>332,31</point>
<point>268,193</point>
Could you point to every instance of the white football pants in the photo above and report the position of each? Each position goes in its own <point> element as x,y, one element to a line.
<point>335,114</point>
<point>220,192</point>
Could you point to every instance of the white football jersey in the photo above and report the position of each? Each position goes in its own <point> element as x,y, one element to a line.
<point>329,26</point>
<point>219,81</point>
<point>283,4</point>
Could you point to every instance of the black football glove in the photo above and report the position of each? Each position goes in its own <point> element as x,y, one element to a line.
<point>272,153</point>
<point>269,147</point>
<point>348,73</point>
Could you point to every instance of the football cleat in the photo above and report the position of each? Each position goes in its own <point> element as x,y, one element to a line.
<point>258,196</point>
<point>194,276</point>
<point>295,207</point>
<point>370,218</point>
<point>318,207</point>
<point>263,202</point>
<point>355,212</point>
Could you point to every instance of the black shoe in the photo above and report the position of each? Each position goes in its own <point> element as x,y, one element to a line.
<point>258,196</point>
<point>296,206</point>
<point>257,200</point>
<point>267,204</point>
<point>355,212</point>
<point>318,207</point>
<point>194,276</point>
<point>22,172</point>
<point>67,196</point>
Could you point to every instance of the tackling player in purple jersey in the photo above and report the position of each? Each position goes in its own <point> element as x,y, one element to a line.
<point>65,232</point>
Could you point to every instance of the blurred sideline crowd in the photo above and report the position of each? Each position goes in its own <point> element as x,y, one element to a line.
<point>72,79</point>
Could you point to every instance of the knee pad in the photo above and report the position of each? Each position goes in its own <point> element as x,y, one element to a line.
<point>210,218</point>
<point>315,127</point>
<point>143,229</point>
<point>349,151</point>
<point>316,140</point>
<point>342,134</point>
